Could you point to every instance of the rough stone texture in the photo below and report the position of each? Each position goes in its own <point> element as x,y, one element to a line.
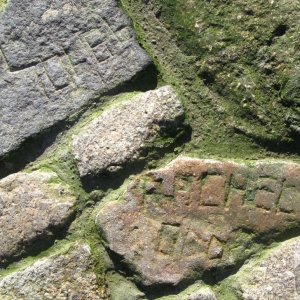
<point>236,58</point>
<point>55,56</point>
<point>197,291</point>
<point>274,276</point>
<point>33,206</point>
<point>122,289</point>
<point>61,277</point>
<point>194,215</point>
<point>120,133</point>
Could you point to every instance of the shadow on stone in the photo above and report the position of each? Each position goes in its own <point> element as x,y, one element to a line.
<point>114,180</point>
<point>152,292</point>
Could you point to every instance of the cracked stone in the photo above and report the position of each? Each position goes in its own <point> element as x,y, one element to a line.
<point>63,277</point>
<point>33,207</point>
<point>199,215</point>
<point>57,55</point>
<point>120,133</point>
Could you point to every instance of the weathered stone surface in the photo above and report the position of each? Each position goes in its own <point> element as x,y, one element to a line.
<point>119,135</point>
<point>194,215</point>
<point>276,275</point>
<point>55,56</point>
<point>197,291</point>
<point>33,206</point>
<point>122,289</point>
<point>60,277</point>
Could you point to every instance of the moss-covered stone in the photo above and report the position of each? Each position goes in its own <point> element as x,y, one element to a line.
<point>122,289</point>
<point>197,291</point>
<point>273,274</point>
<point>231,61</point>
<point>3,3</point>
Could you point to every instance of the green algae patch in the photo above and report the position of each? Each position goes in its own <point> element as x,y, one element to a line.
<point>197,290</point>
<point>59,248</point>
<point>229,69</point>
<point>121,288</point>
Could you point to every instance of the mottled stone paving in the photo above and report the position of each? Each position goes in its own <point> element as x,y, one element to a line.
<point>33,206</point>
<point>62,277</point>
<point>121,132</point>
<point>187,216</point>
<point>57,55</point>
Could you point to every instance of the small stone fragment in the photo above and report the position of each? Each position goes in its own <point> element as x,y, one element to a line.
<point>32,207</point>
<point>119,134</point>
<point>63,277</point>
<point>189,216</point>
<point>273,276</point>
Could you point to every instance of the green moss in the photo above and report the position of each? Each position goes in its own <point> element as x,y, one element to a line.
<point>228,291</point>
<point>59,248</point>
<point>195,289</point>
<point>122,289</point>
<point>216,54</point>
<point>3,3</point>
<point>84,229</point>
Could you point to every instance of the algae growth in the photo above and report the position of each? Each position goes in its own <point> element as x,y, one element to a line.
<point>3,3</point>
<point>236,66</point>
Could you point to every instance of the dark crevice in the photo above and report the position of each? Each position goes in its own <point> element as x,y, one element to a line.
<point>278,236</point>
<point>119,264</point>
<point>162,290</point>
<point>207,77</point>
<point>34,146</point>
<point>280,30</point>
<point>287,148</point>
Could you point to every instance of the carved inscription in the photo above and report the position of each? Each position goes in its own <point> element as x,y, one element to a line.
<point>193,211</point>
<point>57,55</point>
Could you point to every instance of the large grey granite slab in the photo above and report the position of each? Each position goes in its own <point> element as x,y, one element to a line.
<point>55,55</point>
